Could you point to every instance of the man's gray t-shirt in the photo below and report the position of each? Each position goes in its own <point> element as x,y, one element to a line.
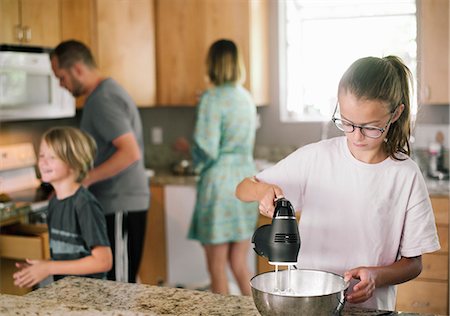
<point>108,113</point>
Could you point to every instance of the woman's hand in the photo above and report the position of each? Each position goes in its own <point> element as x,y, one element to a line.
<point>182,145</point>
<point>31,272</point>
<point>364,289</point>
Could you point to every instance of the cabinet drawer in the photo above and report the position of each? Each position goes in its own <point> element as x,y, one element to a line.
<point>423,297</point>
<point>24,242</point>
<point>441,209</point>
<point>434,266</point>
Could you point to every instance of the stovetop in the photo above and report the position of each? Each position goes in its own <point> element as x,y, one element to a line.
<point>24,203</point>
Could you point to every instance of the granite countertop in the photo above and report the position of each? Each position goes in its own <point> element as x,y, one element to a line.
<point>166,177</point>
<point>438,187</point>
<point>84,296</point>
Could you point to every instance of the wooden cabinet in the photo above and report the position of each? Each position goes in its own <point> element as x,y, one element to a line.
<point>78,24</point>
<point>17,243</point>
<point>30,22</point>
<point>186,29</point>
<point>153,267</point>
<point>121,37</point>
<point>429,292</point>
<point>433,57</point>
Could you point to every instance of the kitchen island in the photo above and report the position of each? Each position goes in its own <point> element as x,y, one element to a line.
<point>84,296</point>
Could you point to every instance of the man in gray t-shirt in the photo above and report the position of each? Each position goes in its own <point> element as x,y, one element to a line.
<point>118,179</point>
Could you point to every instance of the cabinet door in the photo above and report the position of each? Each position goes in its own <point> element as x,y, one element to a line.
<point>126,50</point>
<point>41,22</point>
<point>30,22</point>
<point>77,22</point>
<point>186,29</point>
<point>77,18</point>
<point>153,267</point>
<point>433,51</point>
<point>9,21</point>
<point>420,296</point>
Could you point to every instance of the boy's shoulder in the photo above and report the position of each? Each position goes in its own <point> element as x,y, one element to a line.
<point>83,196</point>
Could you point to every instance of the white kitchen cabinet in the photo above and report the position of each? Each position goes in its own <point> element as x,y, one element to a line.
<point>186,258</point>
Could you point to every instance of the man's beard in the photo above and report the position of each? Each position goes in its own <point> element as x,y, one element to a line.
<point>77,87</point>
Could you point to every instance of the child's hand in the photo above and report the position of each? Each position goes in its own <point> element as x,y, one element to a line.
<point>270,195</point>
<point>31,272</point>
<point>364,289</point>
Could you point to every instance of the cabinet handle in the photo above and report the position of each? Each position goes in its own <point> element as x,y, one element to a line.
<point>19,32</point>
<point>27,33</point>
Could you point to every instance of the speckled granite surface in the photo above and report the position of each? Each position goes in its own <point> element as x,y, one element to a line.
<point>96,297</point>
<point>166,177</point>
<point>27,306</point>
<point>438,187</point>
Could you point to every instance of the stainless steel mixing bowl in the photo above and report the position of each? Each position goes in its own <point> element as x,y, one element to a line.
<point>314,292</point>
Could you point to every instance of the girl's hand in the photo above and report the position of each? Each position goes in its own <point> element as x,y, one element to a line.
<point>266,204</point>
<point>364,289</point>
<point>31,273</point>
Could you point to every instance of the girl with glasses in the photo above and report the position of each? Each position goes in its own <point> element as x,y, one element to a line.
<point>365,208</point>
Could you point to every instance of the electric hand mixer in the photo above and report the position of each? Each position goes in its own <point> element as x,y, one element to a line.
<point>279,241</point>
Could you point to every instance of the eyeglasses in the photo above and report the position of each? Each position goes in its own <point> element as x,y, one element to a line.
<point>368,131</point>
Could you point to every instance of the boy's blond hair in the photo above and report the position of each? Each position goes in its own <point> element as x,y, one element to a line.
<point>73,146</point>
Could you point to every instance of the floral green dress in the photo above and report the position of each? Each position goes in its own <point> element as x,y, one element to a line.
<point>223,154</point>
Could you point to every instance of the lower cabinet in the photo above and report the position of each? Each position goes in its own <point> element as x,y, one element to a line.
<point>429,292</point>
<point>17,243</point>
<point>153,267</point>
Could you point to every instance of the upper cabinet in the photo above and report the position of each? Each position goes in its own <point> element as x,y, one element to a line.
<point>433,57</point>
<point>121,36</point>
<point>126,46</point>
<point>30,22</point>
<point>186,29</point>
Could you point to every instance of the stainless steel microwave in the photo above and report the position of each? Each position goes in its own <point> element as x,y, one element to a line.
<point>28,88</point>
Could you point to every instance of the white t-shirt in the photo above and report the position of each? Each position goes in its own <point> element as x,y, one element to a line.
<point>353,213</point>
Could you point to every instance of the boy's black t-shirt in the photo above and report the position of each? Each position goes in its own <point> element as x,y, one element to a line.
<point>76,225</point>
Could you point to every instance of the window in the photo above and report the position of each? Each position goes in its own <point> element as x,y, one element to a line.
<point>319,39</point>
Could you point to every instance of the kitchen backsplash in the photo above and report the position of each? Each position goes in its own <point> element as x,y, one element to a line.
<point>177,122</point>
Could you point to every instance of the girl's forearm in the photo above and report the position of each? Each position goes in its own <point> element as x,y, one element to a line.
<point>400,271</point>
<point>247,190</point>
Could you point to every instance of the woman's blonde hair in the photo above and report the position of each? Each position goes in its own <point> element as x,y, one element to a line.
<point>224,63</point>
<point>73,146</point>
<point>389,80</point>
